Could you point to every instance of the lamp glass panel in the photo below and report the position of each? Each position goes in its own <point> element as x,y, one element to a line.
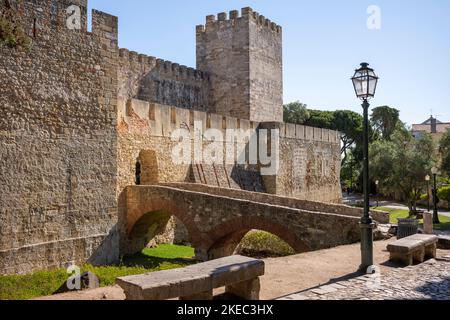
<point>372,86</point>
<point>360,84</point>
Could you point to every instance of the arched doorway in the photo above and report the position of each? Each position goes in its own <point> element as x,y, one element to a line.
<point>147,166</point>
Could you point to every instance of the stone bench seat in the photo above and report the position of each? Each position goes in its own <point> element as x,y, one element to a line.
<point>238,274</point>
<point>417,247</point>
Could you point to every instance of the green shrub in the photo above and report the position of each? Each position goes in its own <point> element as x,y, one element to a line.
<point>260,244</point>
<point>424,197</point>
<point>12,34</point>
<point>444,193</point>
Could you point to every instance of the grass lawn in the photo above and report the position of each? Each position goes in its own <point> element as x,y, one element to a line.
<point>43,283</point>
<point>402,213</point>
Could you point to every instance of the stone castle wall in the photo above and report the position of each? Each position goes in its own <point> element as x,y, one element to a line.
<point>163,82</point>
<point>77,114</point>
<point>309,157</point>
<point>58,142</point>
<point>144,133</point>
<point>310,164</point>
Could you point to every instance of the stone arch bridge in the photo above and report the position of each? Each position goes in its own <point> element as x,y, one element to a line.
<point>217,219</point>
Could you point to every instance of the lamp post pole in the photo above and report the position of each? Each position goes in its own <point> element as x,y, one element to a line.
<point>365,84</point>
<point>366,221</point>
<point>435,210</point>
<point>351,176</point>
<point>427,179</point>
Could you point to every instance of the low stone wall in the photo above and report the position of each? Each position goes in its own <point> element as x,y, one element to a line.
<point>96,249</point>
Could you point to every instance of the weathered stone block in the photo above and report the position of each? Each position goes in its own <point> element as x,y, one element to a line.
<point>248,290</point>
<point>195,282</point>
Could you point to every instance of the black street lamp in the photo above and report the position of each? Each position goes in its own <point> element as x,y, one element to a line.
<point>427,179</point>
<point>365,83</point>
<point>435,172</point>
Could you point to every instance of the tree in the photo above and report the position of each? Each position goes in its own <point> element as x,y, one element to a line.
<point>402,163</point>
<point>444,150</point>
<point>384,120</point>
<point>295,112</point>
<point>351,171</point>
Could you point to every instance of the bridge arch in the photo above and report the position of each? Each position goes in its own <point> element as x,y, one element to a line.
<point>214,238</point>
<point>229,234</point>
<point>149,219</point>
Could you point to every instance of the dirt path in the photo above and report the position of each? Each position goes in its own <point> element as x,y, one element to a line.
<point>300,272</point>
<point>283,275</point>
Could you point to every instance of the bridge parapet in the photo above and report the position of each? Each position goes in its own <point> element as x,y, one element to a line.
<point>315,206</point>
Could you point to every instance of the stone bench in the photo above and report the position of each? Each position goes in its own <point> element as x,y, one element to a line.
<point>417,247</point>
<point>239,275</point>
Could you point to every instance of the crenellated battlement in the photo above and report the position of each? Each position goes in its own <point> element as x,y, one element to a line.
<point>234,16</point>
<point>162,120</point>
<point>164,67</point>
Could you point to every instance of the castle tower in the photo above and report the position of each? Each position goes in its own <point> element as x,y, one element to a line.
<point>243,55</point>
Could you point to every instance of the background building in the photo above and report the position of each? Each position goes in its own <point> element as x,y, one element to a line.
<point>432,126</point>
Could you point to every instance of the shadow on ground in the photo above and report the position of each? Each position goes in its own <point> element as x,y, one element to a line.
<point>149,262</point>
<point>346,277</point>
<point>436,290</point>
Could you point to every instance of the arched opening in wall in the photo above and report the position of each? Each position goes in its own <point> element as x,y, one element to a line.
<point>148,167</point>
<point>138,172</point>
<point>34,28</point>
<point>157,228</point>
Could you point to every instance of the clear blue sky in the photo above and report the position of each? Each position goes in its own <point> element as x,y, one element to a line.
<point>324,40</point>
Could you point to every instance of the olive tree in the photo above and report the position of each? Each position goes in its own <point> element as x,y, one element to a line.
<point>401,164</point>
<point>444,149</point>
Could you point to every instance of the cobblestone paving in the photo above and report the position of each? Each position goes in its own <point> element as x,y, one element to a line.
<point>427,281</point>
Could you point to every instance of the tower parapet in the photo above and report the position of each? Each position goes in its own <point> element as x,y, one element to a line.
<point>233,15</point>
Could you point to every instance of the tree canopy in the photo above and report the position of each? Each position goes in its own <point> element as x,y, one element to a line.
<point>296,112</point>
<point>444,150</point>
<point>401,164</point>
<point>384,120</point>
<point>398,160</point>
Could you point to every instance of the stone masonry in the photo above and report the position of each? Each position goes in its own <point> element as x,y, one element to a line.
<point>79,114</point>
<point>426,281</point>
<point>58,142</point>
